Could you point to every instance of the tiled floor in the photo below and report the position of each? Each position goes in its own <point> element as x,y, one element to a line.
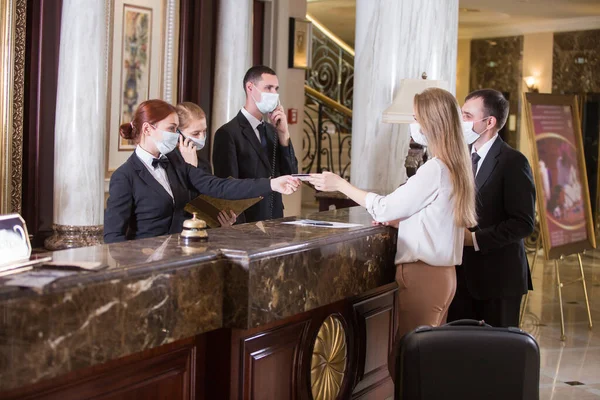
<point>569,369</point>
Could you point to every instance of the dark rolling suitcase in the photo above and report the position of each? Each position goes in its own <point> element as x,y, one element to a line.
<point>467,360</point>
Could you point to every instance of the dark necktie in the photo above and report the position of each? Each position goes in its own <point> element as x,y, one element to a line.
<point>163,162</point>
<point>262,130</point>
<point>475,160</point>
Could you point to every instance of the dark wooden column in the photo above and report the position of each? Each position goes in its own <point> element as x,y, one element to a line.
<point>41,79</point>
<point>198,19</point>
<point>258,24</point>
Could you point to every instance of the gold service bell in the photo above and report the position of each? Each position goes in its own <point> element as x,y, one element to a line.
<point>194,229</point>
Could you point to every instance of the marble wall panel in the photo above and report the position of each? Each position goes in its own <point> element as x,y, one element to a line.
<point>576,62</point>
<point>497,63</point>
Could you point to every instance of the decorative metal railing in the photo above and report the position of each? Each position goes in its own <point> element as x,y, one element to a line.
<point>328,91</point>
<point>327,137</point>
<point>332,72</point>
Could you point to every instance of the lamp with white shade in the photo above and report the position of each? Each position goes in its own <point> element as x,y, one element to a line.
<point>401,110</point>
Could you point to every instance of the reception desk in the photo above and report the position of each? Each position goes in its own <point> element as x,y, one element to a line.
<point>260,311</point>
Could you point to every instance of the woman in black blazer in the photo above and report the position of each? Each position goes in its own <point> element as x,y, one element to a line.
<point>192,126</point>
<point>148,192</point>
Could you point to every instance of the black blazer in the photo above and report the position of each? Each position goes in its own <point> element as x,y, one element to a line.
<point>237,152</point>
<point>506,215</point>
<point>139,207</point>
<point>203,165</point>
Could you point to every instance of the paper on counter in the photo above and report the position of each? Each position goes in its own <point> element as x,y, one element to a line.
<point>86,265</point>
<point>37,279</point>
<point>322,224</point>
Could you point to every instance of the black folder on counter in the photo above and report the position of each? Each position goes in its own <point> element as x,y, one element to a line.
<point>208,208</point>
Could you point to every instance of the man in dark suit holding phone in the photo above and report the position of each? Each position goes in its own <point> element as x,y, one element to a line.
<point>495,272</point>
<point>250,147</point>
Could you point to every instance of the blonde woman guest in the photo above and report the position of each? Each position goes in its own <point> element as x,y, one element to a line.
<point>431,212</point>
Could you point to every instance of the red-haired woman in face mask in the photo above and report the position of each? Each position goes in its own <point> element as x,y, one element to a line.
<point>149,191</point>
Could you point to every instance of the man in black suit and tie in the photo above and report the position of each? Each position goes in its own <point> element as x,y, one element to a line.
<point>249,147</point>
<point>495,271</point>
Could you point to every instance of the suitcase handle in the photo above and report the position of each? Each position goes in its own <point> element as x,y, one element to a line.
<point>467,322</point>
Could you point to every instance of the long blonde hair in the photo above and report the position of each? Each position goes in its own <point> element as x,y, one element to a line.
<point>440,120</point>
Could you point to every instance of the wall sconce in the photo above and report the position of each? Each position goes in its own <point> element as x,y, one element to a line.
<point>531,82</point>
<point>401,110</point>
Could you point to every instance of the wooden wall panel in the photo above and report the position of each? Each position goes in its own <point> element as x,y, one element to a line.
<point>163,373</point>
<point>269,363</point>
<point>376,317</point>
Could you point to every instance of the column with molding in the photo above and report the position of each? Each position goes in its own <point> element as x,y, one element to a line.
<point>233,58</point>
<point>80,129</point>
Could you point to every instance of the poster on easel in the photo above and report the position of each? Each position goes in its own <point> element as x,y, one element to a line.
<point>566,221</point>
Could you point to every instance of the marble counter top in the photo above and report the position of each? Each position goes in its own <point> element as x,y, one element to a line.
<point>156,291</point>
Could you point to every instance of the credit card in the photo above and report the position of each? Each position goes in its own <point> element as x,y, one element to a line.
<point>302,177</point>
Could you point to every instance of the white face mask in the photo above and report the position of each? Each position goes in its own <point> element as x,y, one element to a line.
<point>168,143</point>
<point>417,136</point>
<point>470,135</point>
<point>199,142</point>
<point>268,102</point>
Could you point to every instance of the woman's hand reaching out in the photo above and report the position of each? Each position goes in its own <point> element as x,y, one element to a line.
<point>327,181</point>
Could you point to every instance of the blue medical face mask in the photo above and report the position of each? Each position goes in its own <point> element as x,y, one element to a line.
<point>200,142</point>
<point>268,101</point>
<point>168,143</point>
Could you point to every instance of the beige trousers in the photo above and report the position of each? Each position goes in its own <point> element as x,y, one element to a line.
<point>424,296</point>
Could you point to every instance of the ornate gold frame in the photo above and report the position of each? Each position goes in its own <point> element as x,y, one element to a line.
<point>554,253</point>
<point>12,85</point>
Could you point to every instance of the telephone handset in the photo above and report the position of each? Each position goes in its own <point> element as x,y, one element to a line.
<point>273,160</point>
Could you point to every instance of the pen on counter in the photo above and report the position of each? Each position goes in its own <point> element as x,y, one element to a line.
<point>318,223</point>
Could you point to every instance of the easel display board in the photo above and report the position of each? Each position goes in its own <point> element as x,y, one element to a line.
<point>566,222</point>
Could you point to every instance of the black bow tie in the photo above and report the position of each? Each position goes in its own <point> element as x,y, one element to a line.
<point>163,162</point>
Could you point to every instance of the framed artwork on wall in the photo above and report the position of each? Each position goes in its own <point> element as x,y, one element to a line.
<point>135,64</point>
<point>13,20</point>
<point>141,65</point>
<point>300,44</point>
<point>566,221</point>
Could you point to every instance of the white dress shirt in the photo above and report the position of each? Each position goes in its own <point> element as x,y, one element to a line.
<point>483,152</point>
<point>254,122</point>
<point>427,231</point>
<point>158,173</point>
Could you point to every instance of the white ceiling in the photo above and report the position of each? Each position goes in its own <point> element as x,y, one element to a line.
<point>481,18</point>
